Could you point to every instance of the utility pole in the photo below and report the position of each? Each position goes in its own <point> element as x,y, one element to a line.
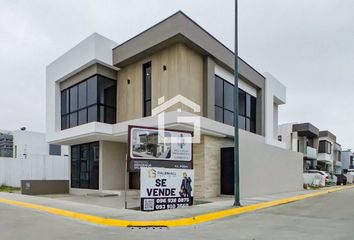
<point>236,137</point>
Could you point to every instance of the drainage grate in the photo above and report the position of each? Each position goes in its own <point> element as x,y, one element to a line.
<point>148,227</point>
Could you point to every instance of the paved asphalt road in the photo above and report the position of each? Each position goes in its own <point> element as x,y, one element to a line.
<point>325,217</point>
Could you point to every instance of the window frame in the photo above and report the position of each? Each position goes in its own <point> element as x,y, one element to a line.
<point>92,181</point>
<point>147,112</point>
<point>248,120</point>
<point>88,106</point>
<point>327,147</point>
<point>54,150</point>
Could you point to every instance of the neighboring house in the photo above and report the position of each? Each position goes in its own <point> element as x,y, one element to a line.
<point>303,138</point>
<point>319,148</point>
<point>31,158</point>
<point>22,143</point>
<point>98,88</point>
<point>328,152</point>
<point>337,158</point>
<point>347,159</point>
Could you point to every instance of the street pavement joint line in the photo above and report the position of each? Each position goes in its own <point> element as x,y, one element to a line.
<point>167,223</point>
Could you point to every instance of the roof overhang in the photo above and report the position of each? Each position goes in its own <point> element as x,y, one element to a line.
<point>96,131</point>
<point>179,28</point>
<point>306,129</point>
<point>328,134</point>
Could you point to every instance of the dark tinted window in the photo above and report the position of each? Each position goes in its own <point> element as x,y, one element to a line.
<point>80,103</point>
<point>228,96</point>
<point>110,115</point>
<point>82,116</point>
<point>242,122</point>
<point>253,125</point>
<point>322,147</point>
<point>253,107</point>
<point>73,119</point>
<point>248,105</point>
<point>218,114</point>
<point>92,91</point>
<point>82,95</point>
<point>242,102</point>
<point>75,167</point>
<point>73,98</point>
<point>94,165</point>
<point>325,147</point>
<point>107,91</point>
<point>54,149</point>
<point>110,96</point>
<point>85,166</point>
<point>147,89</point>
<point>65,122</point>
<point>248,124</point>
<point>92,114</point>
<point>147,81</point>
<point>229,117</point>
<point>64,102</point>
<point>218,91</point>
<point>224,105</point>
<point>147,110</point>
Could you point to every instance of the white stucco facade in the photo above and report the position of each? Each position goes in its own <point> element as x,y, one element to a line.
<point>224,74</point>
<point>32,160</point>
<point>275,93</point>
<point>112,138</point>
<point>93,49</point>
<point>346,157</point>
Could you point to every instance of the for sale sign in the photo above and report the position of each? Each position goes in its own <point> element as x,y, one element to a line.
<point>152,147</point>
<point>166,188</point>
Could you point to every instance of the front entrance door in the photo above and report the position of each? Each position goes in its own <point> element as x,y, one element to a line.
<point>227,171</point>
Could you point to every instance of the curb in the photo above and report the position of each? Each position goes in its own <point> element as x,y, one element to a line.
<point>168,223</point>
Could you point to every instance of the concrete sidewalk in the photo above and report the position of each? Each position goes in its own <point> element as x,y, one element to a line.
<point>103,207</point>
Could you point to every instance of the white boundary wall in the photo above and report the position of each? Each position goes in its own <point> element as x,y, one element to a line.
<point>13,170</point>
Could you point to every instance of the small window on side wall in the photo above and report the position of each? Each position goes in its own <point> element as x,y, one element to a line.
<point>54,150</point>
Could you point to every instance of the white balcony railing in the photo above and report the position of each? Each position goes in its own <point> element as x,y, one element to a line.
<point>311,152</point>
<point>324,157</point>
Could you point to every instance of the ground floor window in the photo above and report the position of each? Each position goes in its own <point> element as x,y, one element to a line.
<point>85,165</point>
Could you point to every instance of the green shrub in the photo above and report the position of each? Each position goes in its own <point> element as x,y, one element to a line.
<point>4,188</point>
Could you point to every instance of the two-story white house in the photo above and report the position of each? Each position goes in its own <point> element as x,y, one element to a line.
<point>99,87</point>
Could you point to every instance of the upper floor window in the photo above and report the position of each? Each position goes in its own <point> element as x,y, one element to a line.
<point>224,105</point>
<point>325,147</point>
<point>147,89</point>
<point>93,99</point>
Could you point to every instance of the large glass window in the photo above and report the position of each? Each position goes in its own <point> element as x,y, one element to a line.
<point>224,105</point>
<point>147,89</point>
<point>85,165</point>
<point>93,99</point>
<point>325,147</point>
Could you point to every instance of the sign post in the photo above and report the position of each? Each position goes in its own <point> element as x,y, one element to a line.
<point>165,161</point>
<point>236,125</point>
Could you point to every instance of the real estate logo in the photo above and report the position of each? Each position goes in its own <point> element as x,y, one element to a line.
<point>195,120</point>
<point>152,173</point>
